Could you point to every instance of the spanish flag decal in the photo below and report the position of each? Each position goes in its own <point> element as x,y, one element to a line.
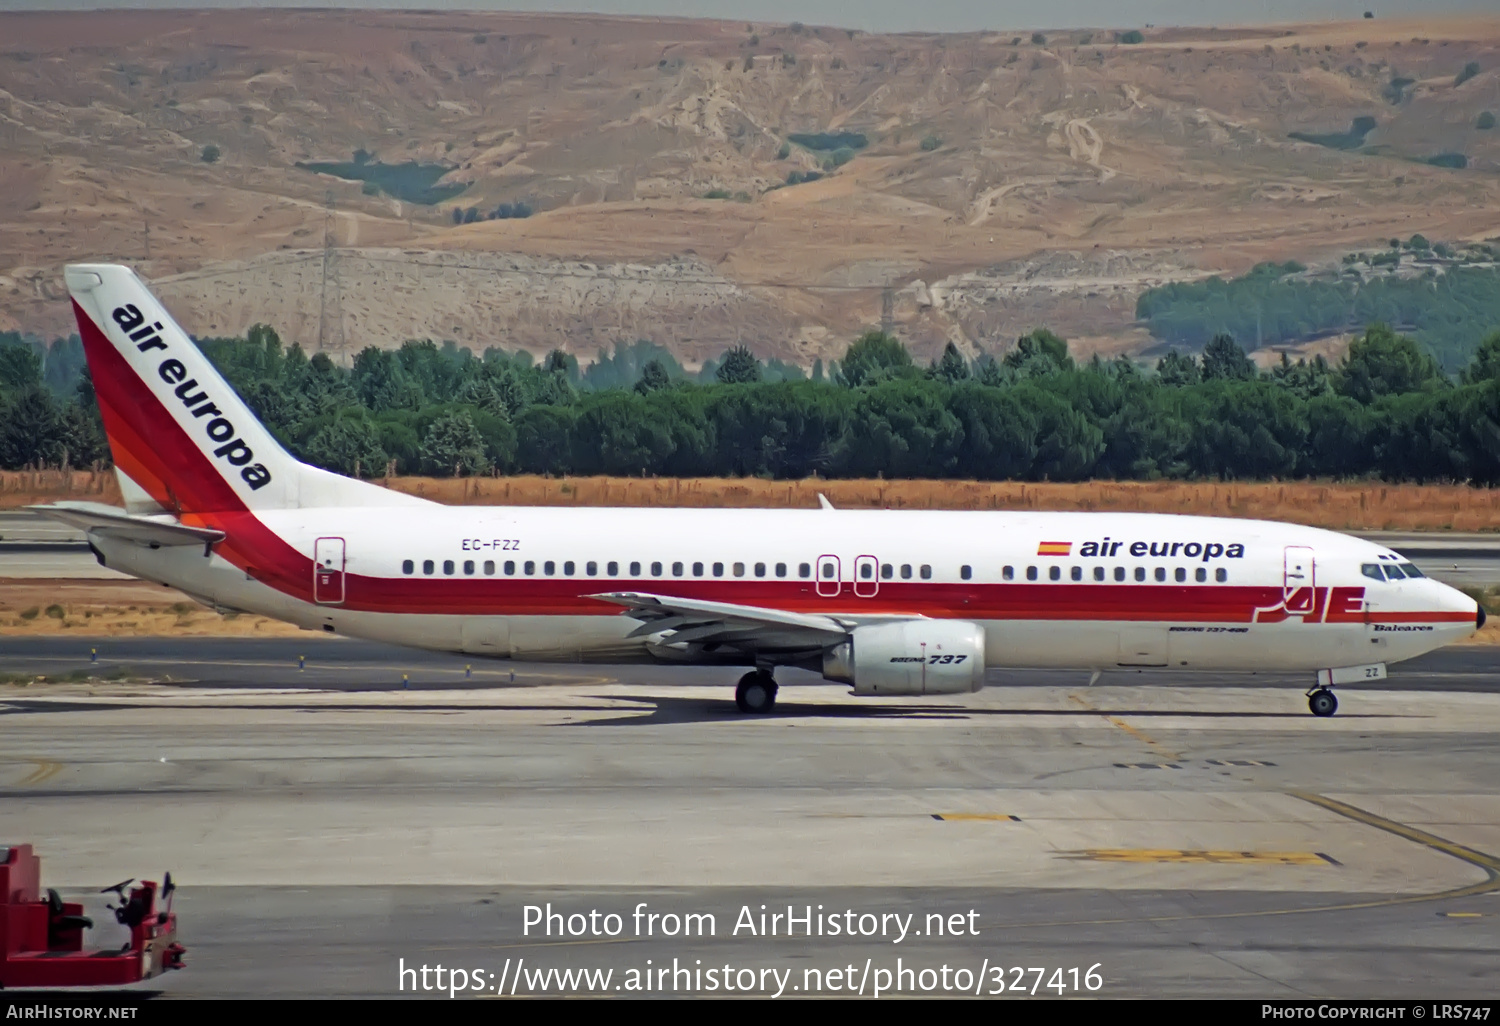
<point>1054,549</point>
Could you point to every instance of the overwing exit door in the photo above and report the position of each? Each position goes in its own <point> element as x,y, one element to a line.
<point>830,576</point>
<point>328,571</point>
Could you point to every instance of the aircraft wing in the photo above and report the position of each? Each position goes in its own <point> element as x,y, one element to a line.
<point>98,518</point>
<point>695,626</point>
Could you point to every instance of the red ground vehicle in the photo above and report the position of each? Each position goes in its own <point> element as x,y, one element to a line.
<point>41,936</point>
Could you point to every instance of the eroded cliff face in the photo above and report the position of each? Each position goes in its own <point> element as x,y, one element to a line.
<point>1002,184</point>
<point>361,297</point>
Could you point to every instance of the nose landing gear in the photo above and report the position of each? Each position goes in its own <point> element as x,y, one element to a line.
<point>756,692</point>
<point>1322,702</point>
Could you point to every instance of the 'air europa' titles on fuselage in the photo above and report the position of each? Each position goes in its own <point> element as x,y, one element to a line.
<point>1163,550</point>
<point>230,447</point>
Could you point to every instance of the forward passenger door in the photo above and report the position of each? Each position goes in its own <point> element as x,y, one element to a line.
<point>1299,579</point>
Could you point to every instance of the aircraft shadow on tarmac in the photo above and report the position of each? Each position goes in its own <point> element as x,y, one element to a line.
<point>672,709</point>
<point>658,709</point>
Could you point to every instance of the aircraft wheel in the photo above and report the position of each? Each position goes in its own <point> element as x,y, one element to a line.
<point>1322,702</point>
<point>756,693</point>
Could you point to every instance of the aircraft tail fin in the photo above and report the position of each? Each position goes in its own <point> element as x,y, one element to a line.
<point>182,440</point>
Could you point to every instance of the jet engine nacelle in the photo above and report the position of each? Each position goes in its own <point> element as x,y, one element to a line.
<point>910,657</point>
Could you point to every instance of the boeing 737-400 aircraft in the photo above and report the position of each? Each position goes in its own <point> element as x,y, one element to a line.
<point>892,603</point>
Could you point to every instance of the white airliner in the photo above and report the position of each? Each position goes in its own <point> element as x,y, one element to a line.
<point>892,603</point>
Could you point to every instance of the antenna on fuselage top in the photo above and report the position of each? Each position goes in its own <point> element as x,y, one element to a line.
<point>823,501</point>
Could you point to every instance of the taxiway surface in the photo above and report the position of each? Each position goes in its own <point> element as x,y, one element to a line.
<point>328,825</point>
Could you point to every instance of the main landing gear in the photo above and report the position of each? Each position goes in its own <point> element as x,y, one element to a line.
<point>1322,702</point>
<point>756,692</point>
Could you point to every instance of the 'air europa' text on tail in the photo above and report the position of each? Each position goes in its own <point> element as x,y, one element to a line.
<point>230,447</point>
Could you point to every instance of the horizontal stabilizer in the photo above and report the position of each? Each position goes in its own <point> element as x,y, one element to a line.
<point>98,518</point>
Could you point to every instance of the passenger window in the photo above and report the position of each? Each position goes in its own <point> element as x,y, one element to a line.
<point>1007,573</point>
<point>529,567</point>
<point>655,569</point>
<point>887,571</point>
<point>719,570</point>
<point>697,569</point>
<point>1054,572</point>
<point>489,568</point>
<point>1200,575</point>
<point>760,569</point>
<point>803,569</point>
<point>510,567</point>
<point>1076,573</point>
<point>966,572</point>
<point>427,566</point>
<point>866,572</point>
<point>780,569</point>
<point>568,568</point>
<point>635,569</point>
<point>1031,573</point>
<point>407,566</point>
<point>1372,571</point>
<point>906,571</point>
<point>1098,573</point>
<point>1181,575</point>
<point>1140,573</point>
<point>591,568</point>
<point>676,569</point>
<point>549,568</point>
<point>1161,573</point>
<point>926,572</point>
<point>1119,573</point>
<point>469,567</point>
<point>1221,575</point>
<point>612,568</point>
<point>1394,572</point>
<point>447,566</point>
<point>1411,570</point>
<point>739,570</point>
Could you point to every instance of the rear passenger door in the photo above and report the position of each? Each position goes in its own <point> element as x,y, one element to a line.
<point>328,571</point>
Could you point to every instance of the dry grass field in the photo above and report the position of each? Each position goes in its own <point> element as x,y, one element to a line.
<point>120,608</point>
<point>1340,506</point>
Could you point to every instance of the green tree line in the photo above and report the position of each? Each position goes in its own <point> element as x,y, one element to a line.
<point>48,415</point>
<point>1386,410</point>
<point>1448,313</point>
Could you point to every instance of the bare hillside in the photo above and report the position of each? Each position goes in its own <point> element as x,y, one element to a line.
<point>1003,183</point>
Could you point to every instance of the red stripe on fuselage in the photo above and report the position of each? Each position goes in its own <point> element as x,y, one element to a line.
<point>561,596</point>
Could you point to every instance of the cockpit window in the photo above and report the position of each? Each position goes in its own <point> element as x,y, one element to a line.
<point>1372,571</point>
<point>1394,572</point>
<point>1411,570</point>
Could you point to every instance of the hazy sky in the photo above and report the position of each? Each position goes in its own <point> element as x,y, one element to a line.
<point>883,15</point>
